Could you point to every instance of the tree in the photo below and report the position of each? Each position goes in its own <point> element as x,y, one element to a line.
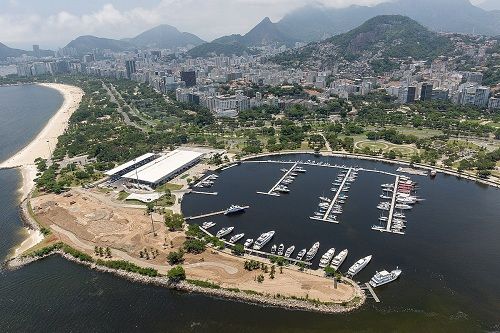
<point>330,271</point>
<point>195,246</point>
<point>238,249</point>
<point>176,274</point>
<point>174,221</point>
<point>175,257</point>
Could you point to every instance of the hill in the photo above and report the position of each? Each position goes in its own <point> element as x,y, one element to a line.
<point>6,52</point>
<point>85,44</point>
<point>315,22</point>
<point>264,33</point>
<point>383,36</point>
<point>165,36</point>
<point>215,48</point>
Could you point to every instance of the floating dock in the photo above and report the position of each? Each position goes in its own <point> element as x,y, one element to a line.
<point>206,193</point>
<point>334,201</point>
<point>210,214</point>
<point>271,191</point>
<point>390,218</point>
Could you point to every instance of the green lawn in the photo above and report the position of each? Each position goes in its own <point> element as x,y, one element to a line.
<point>168,186</point>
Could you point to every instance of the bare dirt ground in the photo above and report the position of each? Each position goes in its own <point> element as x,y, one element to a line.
<point>82,219</point>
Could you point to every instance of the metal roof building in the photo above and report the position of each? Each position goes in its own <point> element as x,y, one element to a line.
<point>131,165</point>
<point>164,167</point>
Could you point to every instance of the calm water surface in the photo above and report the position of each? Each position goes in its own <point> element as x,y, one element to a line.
<point>448,256</point>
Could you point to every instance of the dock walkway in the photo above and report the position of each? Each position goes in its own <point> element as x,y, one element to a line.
<point>210,214</point>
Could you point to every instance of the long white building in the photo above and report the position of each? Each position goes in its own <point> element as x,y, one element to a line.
<point>163,168</point>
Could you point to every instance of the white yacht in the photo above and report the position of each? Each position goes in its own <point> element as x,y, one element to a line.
<point>223,232</point>
<point>326,258</point>
<point>301,254</point>
<point>403,206</point>
<point>312,251</point>
<point>383,277</point>
<point>234,209</point>
<point>248,242</point>
<point>339,259</point>
<point>281,248</point>
<point>236,238</point>
<point>207,225</point>
<point>289,251</point>
<point>273,249</point>
<point>263,240</point>
<point>359,265</point>
<point>299,169</point>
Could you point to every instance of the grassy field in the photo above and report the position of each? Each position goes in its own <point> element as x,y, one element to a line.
<point>168,186</point>
<point>406,150</point>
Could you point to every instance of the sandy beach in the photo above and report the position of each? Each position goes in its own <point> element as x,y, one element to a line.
<point>42,146</point>
<point>46,140</point>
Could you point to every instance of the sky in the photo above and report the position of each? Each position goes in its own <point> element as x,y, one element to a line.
<point>54,23</point>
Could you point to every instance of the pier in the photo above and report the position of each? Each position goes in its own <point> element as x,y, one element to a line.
<point>271,191</point>
<point>372,292</point>
<point>393,203</point>
<point>210,214</point>
<point>334,200</point>
<point>390,218</point>
<point>206,193</point>
<point>204,179</point>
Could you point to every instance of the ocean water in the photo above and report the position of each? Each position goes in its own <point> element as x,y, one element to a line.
<point>448,256</point>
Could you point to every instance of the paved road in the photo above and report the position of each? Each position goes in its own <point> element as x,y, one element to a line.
<point>126,118</point>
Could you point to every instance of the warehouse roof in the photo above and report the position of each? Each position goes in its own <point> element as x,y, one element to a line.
<point>128,164</point>
<point>164,166</point>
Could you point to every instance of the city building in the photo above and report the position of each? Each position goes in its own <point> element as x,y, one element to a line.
<point>426,92</point>
<point>189,77</point>
<point>130,68</point>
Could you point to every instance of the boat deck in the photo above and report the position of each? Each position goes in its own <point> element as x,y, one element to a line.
<point>210,214</point>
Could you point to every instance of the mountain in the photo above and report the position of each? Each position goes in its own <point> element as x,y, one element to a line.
<point>166,37</point>
<point>314,22</point>
<point>6,52</point>
<point>264,33</point>
<point>85,44</point>
<point>382,37</point>
<point>215,48</point>
<point>162,36</point>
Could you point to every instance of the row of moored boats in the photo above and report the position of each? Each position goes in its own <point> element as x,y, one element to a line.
<point>282,187</point>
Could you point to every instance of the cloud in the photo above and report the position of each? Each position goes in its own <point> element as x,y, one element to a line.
<point>207,18</point>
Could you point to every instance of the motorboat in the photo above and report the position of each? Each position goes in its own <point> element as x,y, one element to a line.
<point>384,277</point>
<point>223,232</point>
<point>248,242</point>
<point>339,259</point>
<point>359,265</point>
<point>289,251</point>
<point>281,248</point>
<point>326,258</point>
<point>236,238</point>
<point>312,251</point>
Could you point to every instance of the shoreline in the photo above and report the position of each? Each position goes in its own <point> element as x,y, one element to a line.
<point>221,293</point>
<point>41,145</point>
<point>370,158</point>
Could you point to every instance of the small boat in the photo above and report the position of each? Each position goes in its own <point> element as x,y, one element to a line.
<point>281,248</point>
<point>301,254</point>
<point>236,238</point>
<point>384,277</point>
<point>339,259</point>
<point>326,258</point>
<point>284,170</point>
<point>325,199</point>
<point>312,251</point>
<point>273,249</point>
<point>289,251</point>
<point>248,242</point>
<point>207,225</point>
<point>223,232</point>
